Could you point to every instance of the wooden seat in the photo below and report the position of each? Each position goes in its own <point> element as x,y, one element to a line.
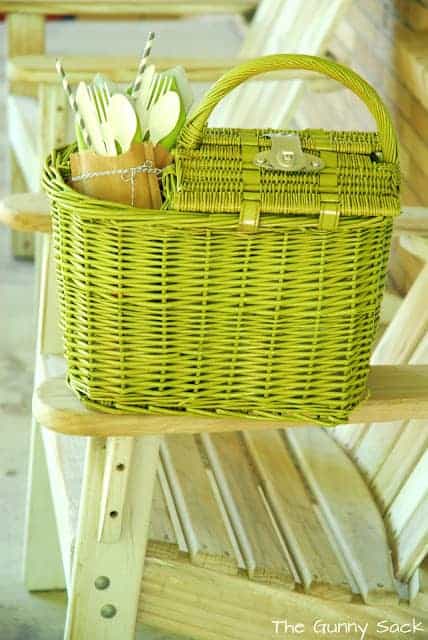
<point>266,509</point>
<point>204,543</point>
<point>267,505</point>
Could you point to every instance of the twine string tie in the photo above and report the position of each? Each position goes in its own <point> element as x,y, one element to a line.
<point>127,174</point>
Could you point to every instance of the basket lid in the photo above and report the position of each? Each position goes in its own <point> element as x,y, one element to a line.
<point>353,179</point>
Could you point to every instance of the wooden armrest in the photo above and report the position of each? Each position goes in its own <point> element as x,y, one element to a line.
<point>396,393</point>
<point>133,7</point>
<point>26,212</point>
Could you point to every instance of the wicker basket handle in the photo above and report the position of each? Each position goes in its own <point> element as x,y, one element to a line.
<point>191,134</point>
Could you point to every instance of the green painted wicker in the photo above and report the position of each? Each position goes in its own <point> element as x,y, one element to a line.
<point>180,310</point>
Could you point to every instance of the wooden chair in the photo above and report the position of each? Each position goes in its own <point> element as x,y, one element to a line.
<point>26,54</point>
<point>230,545</point>
<point>277,25</point>
<point>248,524</point>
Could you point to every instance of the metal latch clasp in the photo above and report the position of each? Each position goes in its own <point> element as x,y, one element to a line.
<point>286,154</point>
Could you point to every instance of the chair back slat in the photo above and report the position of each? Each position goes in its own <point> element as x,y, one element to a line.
<point>393,456</point>
<point>279,27</point>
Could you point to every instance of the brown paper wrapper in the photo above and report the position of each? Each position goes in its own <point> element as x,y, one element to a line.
<point>138,189</point>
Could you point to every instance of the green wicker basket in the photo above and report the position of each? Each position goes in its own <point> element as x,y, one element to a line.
<point>255,292</point>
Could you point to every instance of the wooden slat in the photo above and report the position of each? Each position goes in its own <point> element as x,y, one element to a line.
<point>56,125</point>
<point>309,547</point>
<point>66,466</point>
<point>49,338</point>
<point>205,532</point>
<point>423,585</point>
<point>409,256</point>
<point>117,466</point>
<point>410,497</point>
<point>412,62</point>
<point>411,138</point>
<point>162,539</point>
<point>402,458</point>
<point>123,561</point>
<point>22,242</point>
<point>253,529</point>
<point>44,368</point>
<point>127,7</point>
<point>412,544</point>
<point>415,13</point>
<point>379,66</point>
<point>378,442</point>
<point>289,27</point>
<point>349,509</point>
<point>65,525</point>
<point>24,142</point>
<point>391,302</point>
<point>172,510</point>
<point>374,446</point>
<point>33,70</point>
<point>36,69</point>
<point>25,36</point>
<point>262,33</point>
<point>348,435</point>
<point>203,604</point>
<point>408,328</point>
<point>396,393</point>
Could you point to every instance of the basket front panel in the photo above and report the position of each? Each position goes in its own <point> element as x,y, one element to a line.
<point>277,324</point>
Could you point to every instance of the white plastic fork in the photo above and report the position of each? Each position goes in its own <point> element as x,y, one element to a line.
<point>101,96</point>
<point>159,86</point>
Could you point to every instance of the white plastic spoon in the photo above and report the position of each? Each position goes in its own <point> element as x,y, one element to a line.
<point>164,116</point>
<point>122,118</point>
<point>100,99</point>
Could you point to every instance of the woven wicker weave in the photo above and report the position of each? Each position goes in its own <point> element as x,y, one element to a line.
<point>179,310</point>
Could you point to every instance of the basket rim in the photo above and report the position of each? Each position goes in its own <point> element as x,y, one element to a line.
<point>57,188</point>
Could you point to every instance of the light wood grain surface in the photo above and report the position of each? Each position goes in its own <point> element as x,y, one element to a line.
<point>352,515</point>
<point>127,7</point>
<point>26,212</point>
<point>293,506</point>
<point>194,601</point>
<point>396,393</point>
